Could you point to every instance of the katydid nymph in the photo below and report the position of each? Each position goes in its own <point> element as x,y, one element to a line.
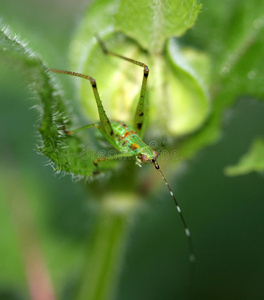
<point>128,140</point>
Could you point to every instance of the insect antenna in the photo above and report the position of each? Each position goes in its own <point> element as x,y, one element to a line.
<point>187,231</point>
<point>161,149</point>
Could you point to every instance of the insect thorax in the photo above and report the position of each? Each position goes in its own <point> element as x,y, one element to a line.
<point>129,142</point>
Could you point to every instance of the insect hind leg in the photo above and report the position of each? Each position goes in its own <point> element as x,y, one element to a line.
<point>140,115</point>
<point>104,121</point>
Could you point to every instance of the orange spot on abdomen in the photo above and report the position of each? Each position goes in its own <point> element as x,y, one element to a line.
<point>134,146</point>
<point>128,133</point>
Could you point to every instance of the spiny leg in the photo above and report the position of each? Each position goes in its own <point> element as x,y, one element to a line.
<point>105,123</point>
<point>139,119</point>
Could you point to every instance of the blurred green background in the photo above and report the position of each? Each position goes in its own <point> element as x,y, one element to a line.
<point>225,214</point>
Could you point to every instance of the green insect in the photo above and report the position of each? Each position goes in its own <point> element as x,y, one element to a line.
<point>125,138</point>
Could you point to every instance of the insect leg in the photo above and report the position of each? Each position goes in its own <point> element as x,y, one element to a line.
<point>82,128</point>
<point>139,119</point>
<point>98,126</point>
<point>105,123</point>
<point>112,157</point>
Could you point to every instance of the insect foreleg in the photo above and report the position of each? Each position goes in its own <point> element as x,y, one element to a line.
<point>139,119</point>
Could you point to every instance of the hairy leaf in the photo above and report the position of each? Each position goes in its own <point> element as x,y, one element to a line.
<point>151,23</point>
<point>67,153</point>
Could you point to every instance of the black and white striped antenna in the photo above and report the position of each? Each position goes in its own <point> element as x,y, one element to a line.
<point>187,231</point>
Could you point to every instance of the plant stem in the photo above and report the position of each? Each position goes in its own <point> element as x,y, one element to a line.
<point>105,255</point>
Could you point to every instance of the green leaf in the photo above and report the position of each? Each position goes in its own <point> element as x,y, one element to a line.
<point>178,101</point>
<point>252,161</point>
<point>237,52</point>
<point>151,23</point>
<point>232,33</point>
<point>188,105</point>
<point>241,66</point>
<point>176,89</point>
<point>71,154</point>
<point>98,18</point>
